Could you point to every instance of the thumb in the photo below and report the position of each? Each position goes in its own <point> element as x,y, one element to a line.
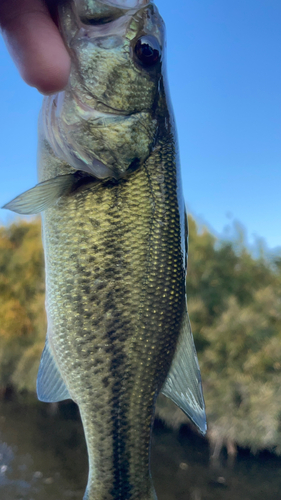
<point>35,44</point>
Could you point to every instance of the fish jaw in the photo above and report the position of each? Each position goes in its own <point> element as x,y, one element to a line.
<point>106,10</point>
<point>107,7</point>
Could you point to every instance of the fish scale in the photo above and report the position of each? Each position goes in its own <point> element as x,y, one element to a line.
<point>115,243</point>
<point>135,219</point>
<point>126,221</point>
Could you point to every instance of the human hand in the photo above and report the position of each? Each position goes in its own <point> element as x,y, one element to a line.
<point>35,44</point>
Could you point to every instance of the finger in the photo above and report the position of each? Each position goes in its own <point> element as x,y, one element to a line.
<point>35,44</point>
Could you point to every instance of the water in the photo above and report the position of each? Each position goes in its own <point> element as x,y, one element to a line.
<point>43,457</point>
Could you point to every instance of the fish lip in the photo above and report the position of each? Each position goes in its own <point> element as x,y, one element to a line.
<point>115,26</point>
<point>124,3</point>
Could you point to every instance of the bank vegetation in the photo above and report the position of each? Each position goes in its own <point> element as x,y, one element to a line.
<point>234,302</point>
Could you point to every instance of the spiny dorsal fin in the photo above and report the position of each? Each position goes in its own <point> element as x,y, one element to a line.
<point>183,383</point>
<point>50,385</point>
<point>42,196</point>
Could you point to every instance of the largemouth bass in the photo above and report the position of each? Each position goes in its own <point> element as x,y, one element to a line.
<point>115,242</point>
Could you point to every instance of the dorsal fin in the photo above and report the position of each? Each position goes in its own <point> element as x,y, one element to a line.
<point>183,384</point>
<point>50,385</point>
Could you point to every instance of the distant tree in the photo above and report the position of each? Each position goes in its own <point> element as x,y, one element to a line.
<point>241,370</point>
<point>22,312</point>
<point>234,303</point>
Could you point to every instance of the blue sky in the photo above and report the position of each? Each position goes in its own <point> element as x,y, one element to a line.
<point>224,69</point>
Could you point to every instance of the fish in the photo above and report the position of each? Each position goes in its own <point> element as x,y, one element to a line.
<point>115,240</point>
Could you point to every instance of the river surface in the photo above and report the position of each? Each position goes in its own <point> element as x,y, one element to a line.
<point>43,457</point>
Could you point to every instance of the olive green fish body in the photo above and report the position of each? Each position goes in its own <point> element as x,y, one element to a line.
<point>115,301</point>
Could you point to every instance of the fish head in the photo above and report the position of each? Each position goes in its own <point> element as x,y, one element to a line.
<point>107,119</point>
<point>116,54</point>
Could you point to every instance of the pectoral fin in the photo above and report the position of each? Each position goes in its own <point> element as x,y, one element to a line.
<point>183,383</point>
<point>50,385</point>
<point>42,196</point>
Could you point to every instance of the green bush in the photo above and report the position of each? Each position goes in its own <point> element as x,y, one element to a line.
<point>234,303</point>
<point>22,311</point>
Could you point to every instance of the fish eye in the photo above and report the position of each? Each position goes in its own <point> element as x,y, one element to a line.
<point>147,50</point>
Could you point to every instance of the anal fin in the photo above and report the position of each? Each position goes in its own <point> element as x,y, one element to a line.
<point>50,385</point>
<point>183,383</point>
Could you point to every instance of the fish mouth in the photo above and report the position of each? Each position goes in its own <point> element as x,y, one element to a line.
<point>104,11</point>
<point>125,4</point>
<point>105,4</point>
